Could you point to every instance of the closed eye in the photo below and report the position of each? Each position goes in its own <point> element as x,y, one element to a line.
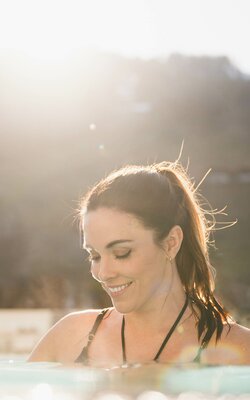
<point>92,257</point>
<point>121,256</point>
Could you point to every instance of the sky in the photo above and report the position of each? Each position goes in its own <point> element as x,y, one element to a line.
<point>54,29</point>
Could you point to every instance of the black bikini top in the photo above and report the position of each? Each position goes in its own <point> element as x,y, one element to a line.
<point>166,339</point>
<point>83,357</point>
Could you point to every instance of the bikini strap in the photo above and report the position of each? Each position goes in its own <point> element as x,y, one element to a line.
<point>84,353</point>
<point>124,357</point>
<point>97,322</point>
<point>170,332</point>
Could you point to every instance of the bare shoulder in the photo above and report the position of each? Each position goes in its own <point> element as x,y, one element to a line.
<point>232,348</point>
<point>78,320</point>
<point>65,337</point>
<point>237,335</point>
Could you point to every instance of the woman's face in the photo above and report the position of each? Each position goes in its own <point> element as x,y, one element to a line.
<point>131,268</point>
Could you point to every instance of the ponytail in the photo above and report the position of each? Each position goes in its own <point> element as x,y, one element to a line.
<point>194,268</point>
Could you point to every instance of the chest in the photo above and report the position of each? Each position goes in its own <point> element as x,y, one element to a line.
<point>107,348</point>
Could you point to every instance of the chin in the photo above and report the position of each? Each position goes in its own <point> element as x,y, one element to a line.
<point>122,308</point>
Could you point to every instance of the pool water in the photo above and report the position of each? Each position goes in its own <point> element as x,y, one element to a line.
<point>51,381</point>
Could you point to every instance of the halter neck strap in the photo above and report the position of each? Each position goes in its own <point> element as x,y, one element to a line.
<point>171,330</point>
<point>169,334</point>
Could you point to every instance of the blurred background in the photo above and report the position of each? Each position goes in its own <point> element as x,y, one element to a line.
<point>88,86</point>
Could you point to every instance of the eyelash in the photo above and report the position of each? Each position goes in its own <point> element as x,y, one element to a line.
<point>126,255</point>
<point>96,258</point>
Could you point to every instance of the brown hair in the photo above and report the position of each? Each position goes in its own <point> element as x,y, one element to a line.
<point>161,196</point>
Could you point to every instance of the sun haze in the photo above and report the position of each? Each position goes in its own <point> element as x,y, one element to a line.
<point>53,30</point>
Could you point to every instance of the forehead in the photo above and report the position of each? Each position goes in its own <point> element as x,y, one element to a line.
<point>105,225</point>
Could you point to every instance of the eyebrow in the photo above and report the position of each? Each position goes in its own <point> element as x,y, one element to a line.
<point>111,244</point>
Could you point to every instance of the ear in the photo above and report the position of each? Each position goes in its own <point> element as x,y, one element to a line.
<point>173,241</point>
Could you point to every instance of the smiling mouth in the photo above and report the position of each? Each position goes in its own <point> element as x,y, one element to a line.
<point>118,289</point>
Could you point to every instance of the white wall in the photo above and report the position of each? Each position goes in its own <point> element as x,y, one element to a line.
<point>21,329</point>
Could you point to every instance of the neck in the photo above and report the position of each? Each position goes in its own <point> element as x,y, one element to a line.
<point>166,339</point>
<point>161,312</point>
<point>157,319</point>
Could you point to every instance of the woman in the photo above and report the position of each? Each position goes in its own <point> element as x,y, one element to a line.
<point>147,236</point>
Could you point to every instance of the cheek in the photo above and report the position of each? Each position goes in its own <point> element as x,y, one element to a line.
<point>146,262</point>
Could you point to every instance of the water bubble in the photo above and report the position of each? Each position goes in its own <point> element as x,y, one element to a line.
<point>101,147</point>
<point>192,396</point>
<point>92,127</point>
<point>152,395</point>
<point>42,391</point>
<point>112,396</point>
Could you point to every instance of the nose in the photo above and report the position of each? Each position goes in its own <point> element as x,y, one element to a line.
<point>104,270</point>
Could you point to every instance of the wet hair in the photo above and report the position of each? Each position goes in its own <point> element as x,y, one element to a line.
<point>162,196</point>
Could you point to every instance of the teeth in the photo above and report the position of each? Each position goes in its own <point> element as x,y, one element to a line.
<point>118,288</point>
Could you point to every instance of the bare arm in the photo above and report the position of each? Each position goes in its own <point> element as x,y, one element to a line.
<point>232,349</point>
<point>45,348</point>
<point>64,341</point>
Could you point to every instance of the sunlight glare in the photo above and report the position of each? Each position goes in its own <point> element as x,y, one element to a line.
<point>47,29</point>
<point>56,29</point>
